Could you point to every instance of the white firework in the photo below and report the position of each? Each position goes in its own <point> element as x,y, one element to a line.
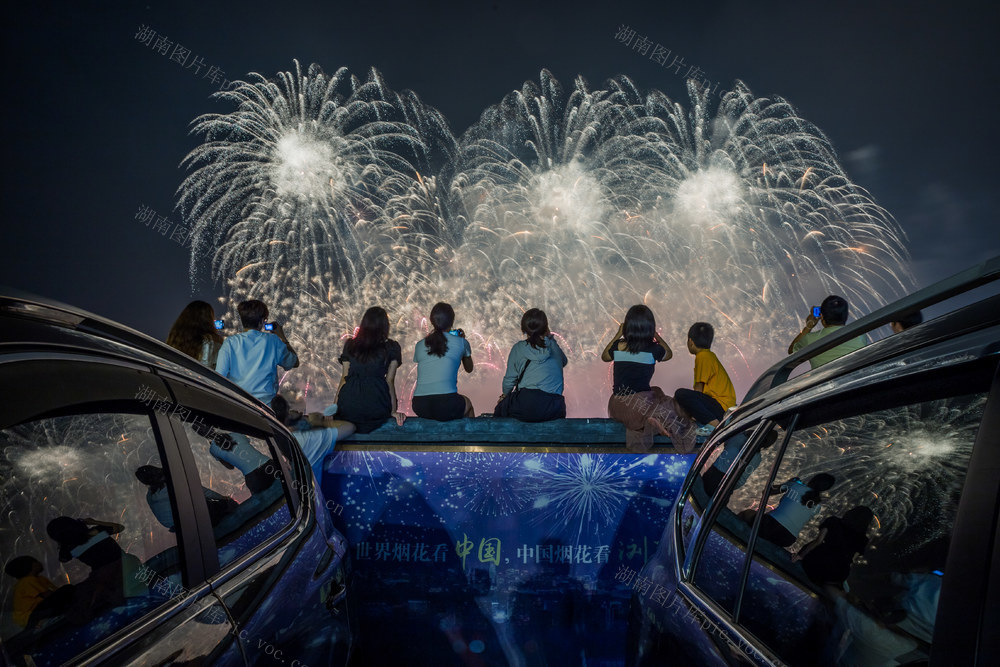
<point>324,196</point>
<point>581,492</point>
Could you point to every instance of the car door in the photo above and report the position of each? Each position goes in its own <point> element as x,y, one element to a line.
<point>94,492</point>
<point>280,574</point>
<point>815,594</point>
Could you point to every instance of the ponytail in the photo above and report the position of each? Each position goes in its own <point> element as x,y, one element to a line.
<point>536,326</point>
<point>442,319</point>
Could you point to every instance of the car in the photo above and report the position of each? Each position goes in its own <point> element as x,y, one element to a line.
<point>163,514</point>
<point>889,461</point>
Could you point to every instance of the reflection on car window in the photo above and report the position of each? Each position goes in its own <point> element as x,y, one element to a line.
<point>720,564</point>
<point>239,469</point>
<point>82,532</point>
<point>870,502</point>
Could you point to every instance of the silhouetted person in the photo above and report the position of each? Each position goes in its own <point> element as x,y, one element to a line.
<point>158,498</point>
<point>827,559</point>
<point>833,316</point>
<point>35,597</point>
<point>112,570</point>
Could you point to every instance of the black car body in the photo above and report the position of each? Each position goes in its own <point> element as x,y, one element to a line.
<point>188,527</point>
<point>907,427</point>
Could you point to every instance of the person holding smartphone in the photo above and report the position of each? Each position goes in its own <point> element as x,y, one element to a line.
<point>251,358</point>
<point>832,314</point>
<point>437,358</point>
<point>195,334</point>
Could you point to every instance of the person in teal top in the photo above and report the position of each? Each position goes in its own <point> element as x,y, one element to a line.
<point>438,357</point>
<point>833,316</point>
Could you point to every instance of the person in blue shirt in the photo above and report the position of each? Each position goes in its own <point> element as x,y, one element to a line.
<point>251,358</point>
<point>538,361</point>
<point>437,358</point>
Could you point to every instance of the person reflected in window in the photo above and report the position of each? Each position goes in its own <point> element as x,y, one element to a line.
<point>799,503</point>
<point>158,499</point>
<point>712,477</point>
<point>538,361</point>
<point>633,352</point>
<point>234,450</point>
<point>827,559</point>
<point>194,333</point>
<point>366,396</point>
<point>35,598</point>
<point>437,357</point>
<point>112,575</point>
<point>833,316</point>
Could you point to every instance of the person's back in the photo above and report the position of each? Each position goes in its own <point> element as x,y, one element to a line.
<point>439,374</point>
<point>833,316</point>
<point>251,358</point>
<point>535,366</point>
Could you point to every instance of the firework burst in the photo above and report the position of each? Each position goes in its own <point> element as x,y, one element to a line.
<point>323,196</point>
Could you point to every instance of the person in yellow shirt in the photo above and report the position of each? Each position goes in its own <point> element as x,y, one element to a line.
<point>30,590</point>
<point>713,391</point>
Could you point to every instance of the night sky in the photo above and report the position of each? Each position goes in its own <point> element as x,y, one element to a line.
<point>98,122</point>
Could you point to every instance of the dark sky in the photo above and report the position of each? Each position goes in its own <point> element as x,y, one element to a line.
<point>97,122</point>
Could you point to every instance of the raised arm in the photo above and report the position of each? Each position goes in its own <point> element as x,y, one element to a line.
<point>810,323</point>
<point>291,359</point>
<point>606,354</point>
<point>667,352</point>
<point>467,359</point>
<point>557,351</point>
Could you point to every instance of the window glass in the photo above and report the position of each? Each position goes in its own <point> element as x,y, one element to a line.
<point>860,516</point>
<point>243,485</point>
<point>720,564</point>
<point>87,532</point>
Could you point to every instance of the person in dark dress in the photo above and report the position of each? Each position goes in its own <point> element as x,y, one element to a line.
<point>366,396</point>
<point>827,559</point>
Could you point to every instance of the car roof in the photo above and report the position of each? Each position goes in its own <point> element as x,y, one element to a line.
<point>31,323</point>
<point>977,324</point>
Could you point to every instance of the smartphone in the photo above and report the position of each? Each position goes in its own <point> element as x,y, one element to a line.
<point>816,311</point>
<point>269,326</point>
<point>220,325</point>
<point>456,332</point>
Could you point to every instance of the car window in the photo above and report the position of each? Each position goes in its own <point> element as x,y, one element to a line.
<point>720,564</point>
<point>244,487</point>
<point>87,532</point>
<point>859,520</point>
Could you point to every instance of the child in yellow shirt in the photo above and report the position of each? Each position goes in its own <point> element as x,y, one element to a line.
<point>713,391</point>
<point>31,588</point>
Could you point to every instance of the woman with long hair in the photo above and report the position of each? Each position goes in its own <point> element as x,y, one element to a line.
<point>366,396</point>
<point>437,357</point>
<point>643,410</point>
<point>535,365</point>
<point>194,334</point>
